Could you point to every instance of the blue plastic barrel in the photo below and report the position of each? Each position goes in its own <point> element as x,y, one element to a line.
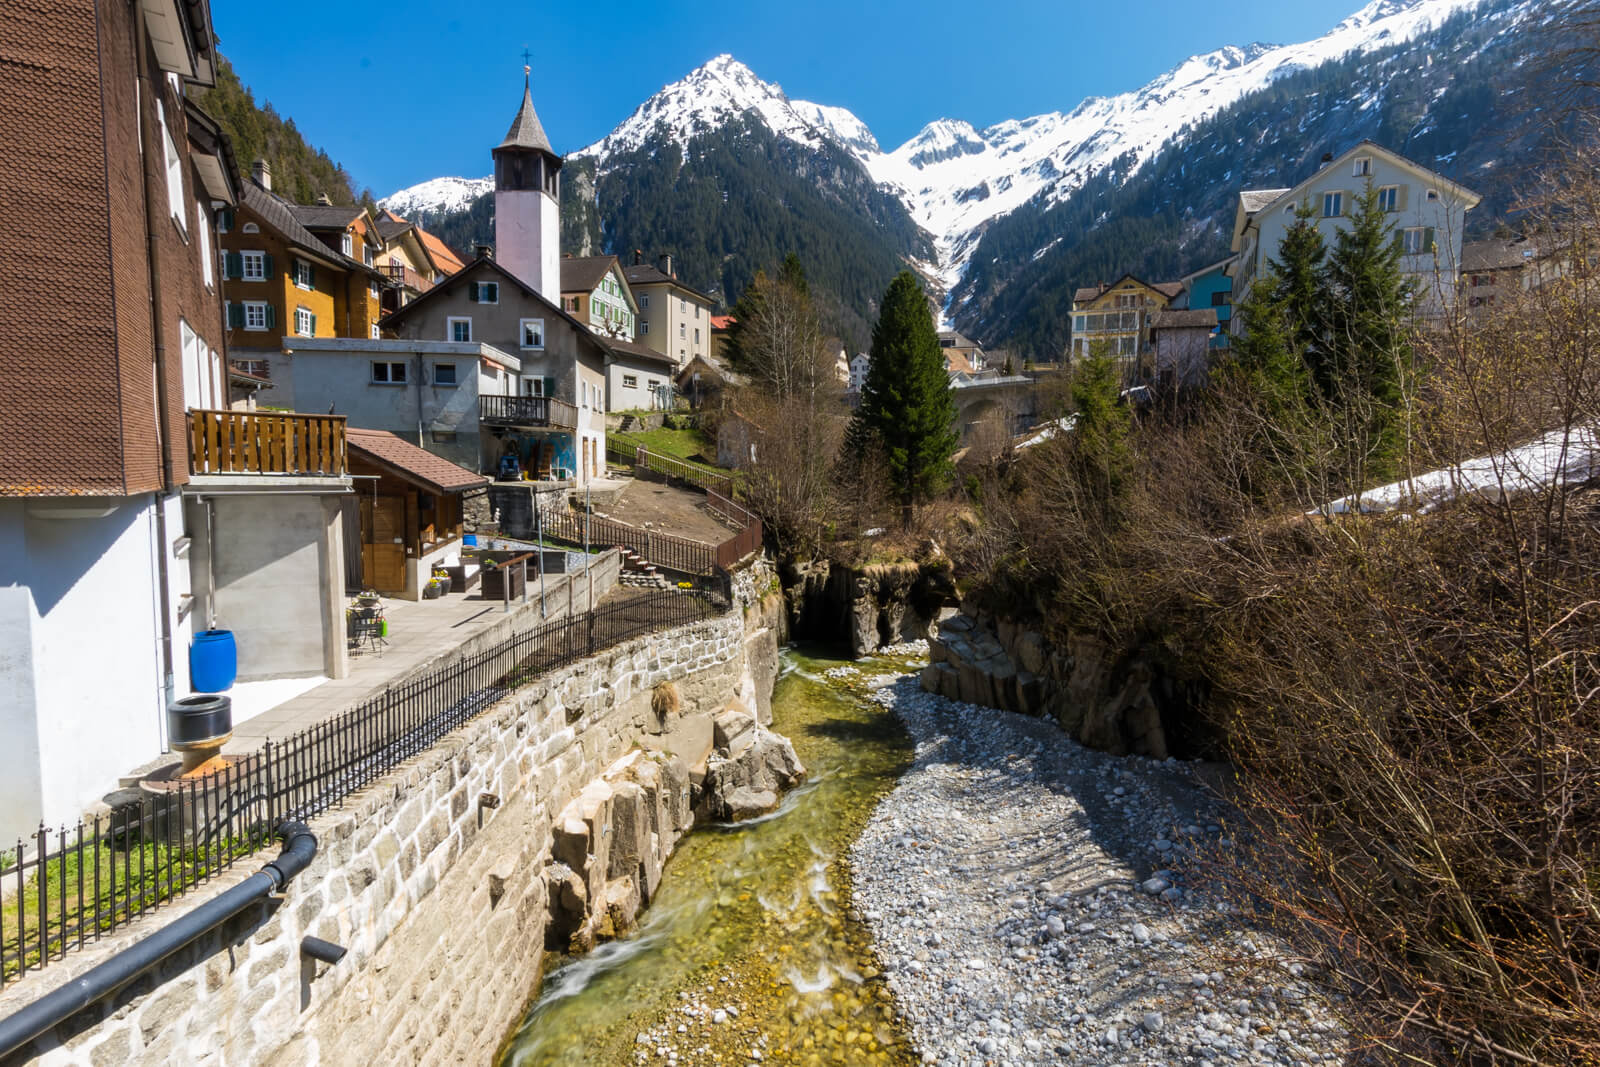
<point>213,661</point>
<point>469,539</point>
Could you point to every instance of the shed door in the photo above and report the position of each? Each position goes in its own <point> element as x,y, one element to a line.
<point>383,549</point>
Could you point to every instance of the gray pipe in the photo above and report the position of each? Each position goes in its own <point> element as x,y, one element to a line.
<point>299,847</point>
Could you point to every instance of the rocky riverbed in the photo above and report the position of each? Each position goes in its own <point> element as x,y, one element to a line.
<point>1033,901</point>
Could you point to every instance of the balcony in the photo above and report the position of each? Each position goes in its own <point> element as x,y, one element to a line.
<point>406,277</point>
<point>263,442</point>
<point>529,411</point>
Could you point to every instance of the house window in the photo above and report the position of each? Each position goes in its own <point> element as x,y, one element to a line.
<point>347,244</point>
<point>532,333</point>
<point>444,374</point>
<point>630,381</point>
<point>1389,198</point>
<point>1288,209</point>
<point>697,311</point>
<point>174,167</point>
<point>366,254</point>
<point>1220,299</point>
<point>644,327</point>
<point>683,306</point>
<point>385,373</point>
<point>305,323</point>
<point>485,292</point>
<point>1332,205</point>
<point>1433,194</point>
<point>458,329</point>
<point>644,300</point>
<point>683,331</point>
<point>375,335</point>
<point>250,227</point>
<point>697,335</point>
<point>533,387</point>
<point>253,266</point>
<point>206,266</point>
<point>372,290</point>
<point>1363,166</point>
<point>654,385</point>
<point>1416,240</point>
<point>256,314</point>
<point>303,274</point>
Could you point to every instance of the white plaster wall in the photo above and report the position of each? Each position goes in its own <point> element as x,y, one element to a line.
<point>527,239</point>
<point>641,397</point>
<point>81,600</point>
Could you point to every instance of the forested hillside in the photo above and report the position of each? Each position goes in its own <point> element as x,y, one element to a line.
<point>1455,100</point>
<point>299,172</point>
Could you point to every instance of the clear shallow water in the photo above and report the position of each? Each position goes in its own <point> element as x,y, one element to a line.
<point>754,915</point>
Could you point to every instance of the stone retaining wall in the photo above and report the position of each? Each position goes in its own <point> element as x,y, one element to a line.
<point>440,899</point>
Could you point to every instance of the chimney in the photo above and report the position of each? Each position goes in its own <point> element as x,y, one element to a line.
<point>324,199</point>
<point>483,251</point>
<point>638,257</point>
<point>1327,157</point>
<point>665,264</point>
<point>261,171</point>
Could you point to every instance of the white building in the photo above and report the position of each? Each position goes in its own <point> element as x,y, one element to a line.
<point>1428,212</point>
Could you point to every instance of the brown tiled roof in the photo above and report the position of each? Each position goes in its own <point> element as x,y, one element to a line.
<point>411,463</point>
<point>1498,254</point>
<point>444,257</point>
<point>1089,292</point>
<point>1170,289</point>
<point>582,273</point>
<point>1166,320</point>
<point>283,217</point>
<point>645,274</point>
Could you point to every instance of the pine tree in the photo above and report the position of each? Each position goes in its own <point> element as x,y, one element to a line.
<point>1298,293</point>
<point>1369,349</point>
<point>906,405</point>
<point>1101,454</point>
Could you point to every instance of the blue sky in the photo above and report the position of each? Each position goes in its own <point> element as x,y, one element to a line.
<point>405,91</point>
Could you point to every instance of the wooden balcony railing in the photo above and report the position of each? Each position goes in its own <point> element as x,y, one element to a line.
<point>407,277</point>
<point>527,411</point>
<point>265,442</point>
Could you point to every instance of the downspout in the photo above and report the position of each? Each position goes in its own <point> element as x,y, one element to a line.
<point>158,337</point>
<point>299,848</point>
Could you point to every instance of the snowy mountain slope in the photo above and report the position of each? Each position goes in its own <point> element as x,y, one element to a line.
<point>437,196</point>
<point>954,179</point>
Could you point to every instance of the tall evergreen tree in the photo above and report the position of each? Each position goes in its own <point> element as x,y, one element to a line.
<point>1369,347</point>
<point>1298,293</point>
<point>906,405</point>
<point>1101,453</point>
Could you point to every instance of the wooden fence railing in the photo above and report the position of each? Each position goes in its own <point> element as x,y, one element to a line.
<point>264,442</point>
<point>671,468</point>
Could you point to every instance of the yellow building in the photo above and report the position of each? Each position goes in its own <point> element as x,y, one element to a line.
<point>1115,319</point>
<point>282,280</point>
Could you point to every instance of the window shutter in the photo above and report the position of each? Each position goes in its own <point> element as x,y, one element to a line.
<point>1400,198</point>
<point>235,316</point>
<point>313,326</point>
<point>1399,242</point>
<point>311,275</point>
<point>227,218</point>
<point>549,387</point>
<point>492,291</point>
<point>234,267</point>
<point>472,292</point>
<point>272,316</point>
<point>266,265</point>
<point>1427,240</point>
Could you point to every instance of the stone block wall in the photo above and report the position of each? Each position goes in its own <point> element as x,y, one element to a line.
<point>440,900</point>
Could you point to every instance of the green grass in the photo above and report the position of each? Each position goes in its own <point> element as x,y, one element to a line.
<point>691,446</point>
<point>123,877</point>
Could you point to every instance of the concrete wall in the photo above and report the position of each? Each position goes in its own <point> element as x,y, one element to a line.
<point>527,238</point>
<point>81,687</point>
<point>441,902</point>
<point>274,575</point>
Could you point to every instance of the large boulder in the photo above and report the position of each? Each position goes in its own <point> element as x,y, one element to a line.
<point>748,783</point>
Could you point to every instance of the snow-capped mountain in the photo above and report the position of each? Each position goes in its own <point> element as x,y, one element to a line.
<point>954,179</point>
<point>437,196</point>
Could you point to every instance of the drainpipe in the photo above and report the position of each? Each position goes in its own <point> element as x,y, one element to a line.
<point>152,212</point>
<point>299,847</point>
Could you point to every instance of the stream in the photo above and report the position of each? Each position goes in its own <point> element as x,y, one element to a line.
<point>748,951</point>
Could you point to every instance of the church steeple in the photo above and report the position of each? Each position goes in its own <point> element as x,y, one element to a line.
<point>527,201</point>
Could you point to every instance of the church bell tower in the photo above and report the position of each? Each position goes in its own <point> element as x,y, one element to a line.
<point>527,202</point>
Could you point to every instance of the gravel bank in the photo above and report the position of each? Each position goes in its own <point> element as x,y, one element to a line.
<point>1028,905</point>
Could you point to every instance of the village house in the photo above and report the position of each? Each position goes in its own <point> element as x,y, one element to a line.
<point>860,363</point>
<point>1115,319</point>
<point>962,355</point>
<point>1210,287</point>
<point>136,509</point>
<point>594,290</point>
<point>1426,209</point>
<point>674,319</point>
<point>411,259</point>
<point>1493,270</point>
<point>638,378</point>
<point>1181,344</point>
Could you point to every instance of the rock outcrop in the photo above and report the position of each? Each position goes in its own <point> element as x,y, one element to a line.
<point>749,769</point>
<point>1119,702</point>
<point>872,606</point>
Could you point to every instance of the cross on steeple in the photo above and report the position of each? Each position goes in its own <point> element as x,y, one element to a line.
<point>527,68</point>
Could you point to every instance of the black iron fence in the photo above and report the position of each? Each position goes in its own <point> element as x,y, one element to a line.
<point>62,889</point>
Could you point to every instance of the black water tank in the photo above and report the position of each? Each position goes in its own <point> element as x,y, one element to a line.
<point>196,720</point>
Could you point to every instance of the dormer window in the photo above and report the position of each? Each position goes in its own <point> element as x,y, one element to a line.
<point>1363,167</point>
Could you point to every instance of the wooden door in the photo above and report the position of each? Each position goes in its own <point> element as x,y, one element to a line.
<point>383,549</point>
